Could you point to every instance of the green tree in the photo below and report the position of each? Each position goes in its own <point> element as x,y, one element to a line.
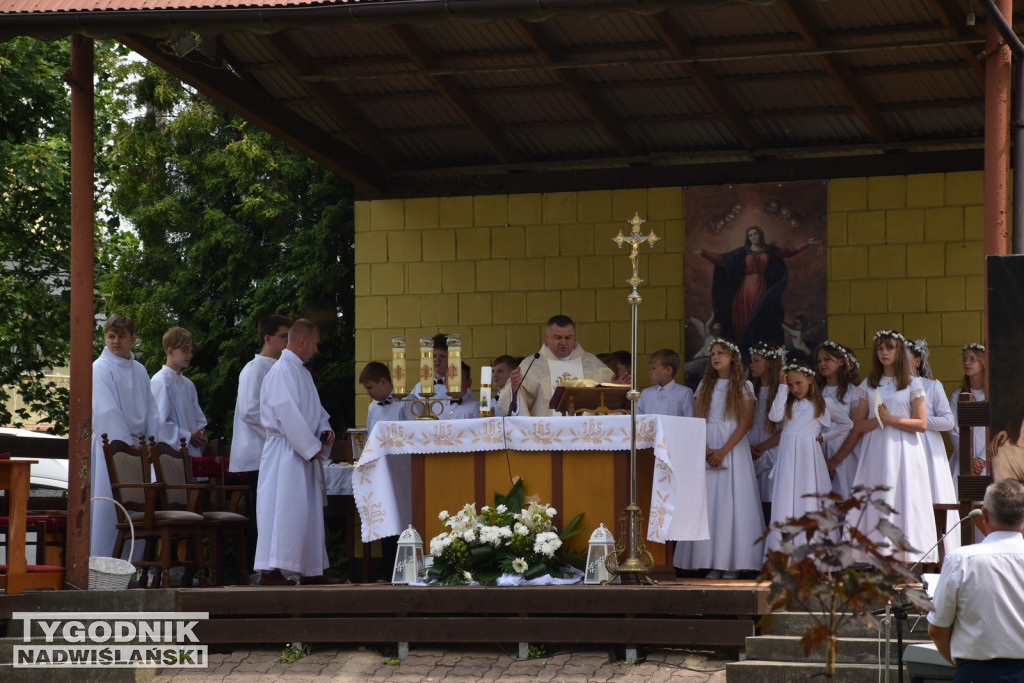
<point>35,211</point>
<point>232,225</point>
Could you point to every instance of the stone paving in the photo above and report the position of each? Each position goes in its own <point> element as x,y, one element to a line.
<point>464,665</point>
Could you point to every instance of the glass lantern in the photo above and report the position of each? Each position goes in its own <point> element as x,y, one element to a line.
<point>602,545</point>
<point>409,559</point>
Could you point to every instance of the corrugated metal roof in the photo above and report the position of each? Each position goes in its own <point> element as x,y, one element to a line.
<point>579,85</point>
<point>12,6</point>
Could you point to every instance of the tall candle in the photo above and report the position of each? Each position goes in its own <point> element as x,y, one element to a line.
<point>426,366</point>
<point>485,391</point>
<point>398,364</point>
<point>454,364</point>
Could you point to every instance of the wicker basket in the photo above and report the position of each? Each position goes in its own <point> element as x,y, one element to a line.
<point>112,573</point>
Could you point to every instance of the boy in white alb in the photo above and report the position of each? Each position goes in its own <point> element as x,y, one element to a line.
<point>177,402</point>
<point>665,396</point>
<point>248,434</point>
<point>122,408</point>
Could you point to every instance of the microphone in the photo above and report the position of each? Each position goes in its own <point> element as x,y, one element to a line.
<point>971,516</point>
<point>513,405</point>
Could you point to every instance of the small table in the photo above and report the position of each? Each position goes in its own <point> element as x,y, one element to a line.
<point>15,479</point>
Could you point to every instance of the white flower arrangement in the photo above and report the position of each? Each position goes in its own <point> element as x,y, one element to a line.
<point>482,545</point>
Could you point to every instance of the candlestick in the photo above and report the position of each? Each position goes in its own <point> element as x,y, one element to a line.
<point>398,364</point>
<point>485,391</point>
<point>454,363</point>
<point>426,366</point>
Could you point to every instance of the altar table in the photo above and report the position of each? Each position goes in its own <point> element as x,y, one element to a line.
<point>410,471</point>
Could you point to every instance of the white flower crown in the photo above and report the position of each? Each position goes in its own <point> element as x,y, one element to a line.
<point>973,346</point>
<point>852,359</point>
<point>724,342</point>
<point>763,350</point>
<point>893,334</point>
<point>797,367</point>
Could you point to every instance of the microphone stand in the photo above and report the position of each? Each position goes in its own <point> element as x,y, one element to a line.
<point>899,612</point>
<point>513,405</point>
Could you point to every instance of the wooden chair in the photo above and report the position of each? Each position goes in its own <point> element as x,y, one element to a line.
<point>129,467</point>
<point>174,469</point>
<point>17,575</point>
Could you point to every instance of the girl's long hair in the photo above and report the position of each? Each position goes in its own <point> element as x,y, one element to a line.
<point>773,368</point>
<point>965,386</point>
<point>734,395</point>
<point>813,395</point>
<point>843,380</point>
<point>901,365</point>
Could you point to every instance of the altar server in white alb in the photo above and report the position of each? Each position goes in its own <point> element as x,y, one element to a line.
<point>290,513</point>
<point>177,402</point>
<point>248,434</point>
<point>530,386</point>
<point>122,408</point>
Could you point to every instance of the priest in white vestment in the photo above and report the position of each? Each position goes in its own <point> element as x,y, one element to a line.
<point>290,498</point>
<point>122,408</point>
<point>177,403</point>
<point>560,359</point>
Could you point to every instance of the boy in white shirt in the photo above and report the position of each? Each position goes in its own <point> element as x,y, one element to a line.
<point>665,396</point>
<point>376,380</point>
<point>468,406</point>
<point>177,402</point>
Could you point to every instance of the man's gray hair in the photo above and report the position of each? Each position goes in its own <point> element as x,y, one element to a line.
<point>1004,501</point>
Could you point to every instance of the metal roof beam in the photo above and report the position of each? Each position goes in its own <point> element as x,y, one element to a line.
<point>328,97</point>
<point>955,22</point>
<point>808,26</point>
<point>581,91</point>
<point>457,97</point>
<point>680,46</point>
<point>231,92</point>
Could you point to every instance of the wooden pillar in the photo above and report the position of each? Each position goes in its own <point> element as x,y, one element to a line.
<point>82,321</point>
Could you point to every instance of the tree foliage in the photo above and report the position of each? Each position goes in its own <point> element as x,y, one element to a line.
<point>232,225</point>
<point>35,217</point>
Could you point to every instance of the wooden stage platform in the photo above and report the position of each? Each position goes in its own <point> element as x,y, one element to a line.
<point>680,612</point>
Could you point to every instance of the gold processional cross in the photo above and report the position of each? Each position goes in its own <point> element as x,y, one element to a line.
<point>635,239</point>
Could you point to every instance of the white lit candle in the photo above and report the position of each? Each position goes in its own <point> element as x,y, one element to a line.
<point>426,366</point>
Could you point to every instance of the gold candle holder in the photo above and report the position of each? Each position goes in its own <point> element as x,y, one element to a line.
<point>454,363</point>
<point>398,364</point>
<point>426,366</point>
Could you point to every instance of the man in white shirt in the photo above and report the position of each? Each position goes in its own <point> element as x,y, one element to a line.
<point>122,408</point>
<point>291,497</point>
<point>531,385</point>
<point>248,434</point>
<point>177,402</point>
<point>978,620</point>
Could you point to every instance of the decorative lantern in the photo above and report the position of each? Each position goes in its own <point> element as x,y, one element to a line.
<point>409,560</point>
<point>602,545</point>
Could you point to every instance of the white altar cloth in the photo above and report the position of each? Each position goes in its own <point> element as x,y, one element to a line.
<point>678,497</point>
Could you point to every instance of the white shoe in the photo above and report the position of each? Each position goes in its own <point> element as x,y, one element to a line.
<point>714,574</point>
<point>730,575</point>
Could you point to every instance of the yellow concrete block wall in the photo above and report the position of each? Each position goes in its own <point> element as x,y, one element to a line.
<point>495,268</point>
<point>904,252</point>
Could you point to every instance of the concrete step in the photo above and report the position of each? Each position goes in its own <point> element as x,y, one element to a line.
<point>795,623</point>
<point>790,672</point>
<point>851,650</point>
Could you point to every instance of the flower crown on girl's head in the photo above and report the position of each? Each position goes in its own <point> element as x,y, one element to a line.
<point>852,360</point>
<point>727,344</point>
<point>973,346</point>
<point>834,347</point>
<point>797,367</point>
<point>892,334</point>
<point>761,349</point>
